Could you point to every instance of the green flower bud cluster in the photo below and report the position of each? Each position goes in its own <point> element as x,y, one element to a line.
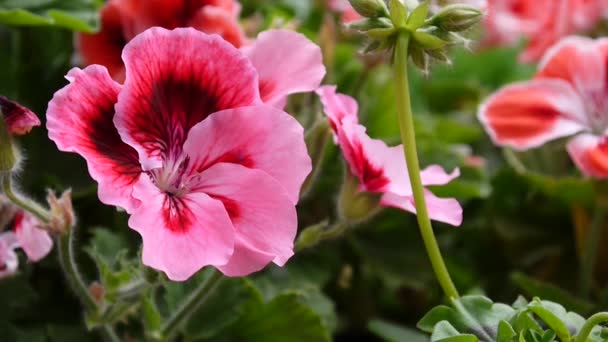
<point>430,37</point>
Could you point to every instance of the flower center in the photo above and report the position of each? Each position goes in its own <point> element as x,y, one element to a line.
<point>598,117</point>
<point>171,178</point>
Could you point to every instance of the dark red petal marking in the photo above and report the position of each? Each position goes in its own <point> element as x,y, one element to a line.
<point>175,79</point>
<point>370,175</point>
<point>176,214</point>
<point>19,119</point>
<point>79,119</point>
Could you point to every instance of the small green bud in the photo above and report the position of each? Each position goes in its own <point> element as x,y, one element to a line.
<point>370,24</point>
<point>356,206</point>
<point>456,18</point>
<point>8,154</point>
<point>370,8</point>
<point>311,236</point>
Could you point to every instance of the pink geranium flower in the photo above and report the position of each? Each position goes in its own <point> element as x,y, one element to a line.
<point>209,173</point>
<point>19,119</point>
<point>35,242</point>
<point>541,22</point>
<point>380,168</point>
<point>122,20</point>
<point>346,11</point>
<point>567,96</point>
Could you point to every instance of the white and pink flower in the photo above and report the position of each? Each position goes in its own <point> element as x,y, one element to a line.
<point>380,168</point>
<point>193,146</point>
<point>567,97</point>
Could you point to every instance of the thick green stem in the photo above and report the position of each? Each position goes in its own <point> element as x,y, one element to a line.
<point>22,202</point>
<point>590,252</point>
<point>408,138</point>
<point>197,298</point>
<point>65,246</point>
<point>591,323</point>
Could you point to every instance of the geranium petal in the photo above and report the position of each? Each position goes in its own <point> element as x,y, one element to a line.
<point>8,257</point>
<point>259,137</point>
<point>105,46</point>
<point>590,154</point>
<point>181,234</point>
<point>18,119</point>
<point>446,210</point>
<point>263,215</point>
<point>245,260</point>
<point>527,115</point>
<point>336,106</point>
<point>174,80</point>
<point>287,63</point>
<point>577,60</point>
<point>79,119</point>
<point>35,242</point>
<point>436,175</point>
<point>212,19</point>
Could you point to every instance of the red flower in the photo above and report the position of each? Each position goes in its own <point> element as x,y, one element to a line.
<point>122,20</point>
<point>19,119</point>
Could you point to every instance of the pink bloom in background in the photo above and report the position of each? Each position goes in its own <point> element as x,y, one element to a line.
<point>35,242</point>
<point>19,119</point>
<point>122,20</point>
<point>380,168</point>
<point>209,173</point>
<point>8,257</point>
<point>541,22</point>
<point>347,12</point>
<point>568,96</point>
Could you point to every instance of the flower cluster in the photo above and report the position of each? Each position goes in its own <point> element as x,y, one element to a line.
<point>541,22</point>
<point>382,169</point>
<point>122,20</point>
<point>194,145</point>
<point>26,234</point>
<point>566,97</point>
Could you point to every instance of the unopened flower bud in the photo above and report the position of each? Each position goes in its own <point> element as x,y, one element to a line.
<point>14,120</point>
<point>456,18</point>
<point>311,235</point>
<point>354,205</point>
<point>370,8</point>
<point>62,212</point>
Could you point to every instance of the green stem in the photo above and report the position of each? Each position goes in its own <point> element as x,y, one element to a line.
<point>190,305</point>
<point>591,323</point>
<point>590,252</point>
<point>65,246</point>
<point>22,202</point>
<point>408,138</point>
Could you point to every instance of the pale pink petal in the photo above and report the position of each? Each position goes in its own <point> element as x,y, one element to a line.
<point>287,63</point>
<point>446,210</point>
<point>436,175</point>
<point>337,106</point>
<point>260,137</point>
<point>18,119</point>
<point>35,242</point>
<point>8,258</point>
<point>79,119</point>
<point>245,260</point>
<point>577,60</point>
<point>181,233</point>
<point>527,115</point>
<point>175,79</point>
<point>590,154</point>
<point>263,215</point>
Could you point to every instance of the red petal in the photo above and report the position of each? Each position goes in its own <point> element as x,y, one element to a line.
<point>19,119</point>
<point>79,119</point>
<point>211,19</point>
<point>174,80</point>
<point>590,154</point>
<point>526,115</point>
<point>105,46</point>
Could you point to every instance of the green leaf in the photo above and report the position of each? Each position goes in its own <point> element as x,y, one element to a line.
<point>77,15</point>
<point>398,13</point>
<point>476,315</point>
<point>418,16</point>
<point>395,333</point>
<point>227,304</point>
<point>428,41</point>
<point>557,318</point>
<point>283,319</point>
<point>445,332</point>
<point>548,291</point>
<point>505,332</point>
<point>152,317</point>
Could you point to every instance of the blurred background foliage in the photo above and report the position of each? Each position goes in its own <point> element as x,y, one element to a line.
<point>524,220</point>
